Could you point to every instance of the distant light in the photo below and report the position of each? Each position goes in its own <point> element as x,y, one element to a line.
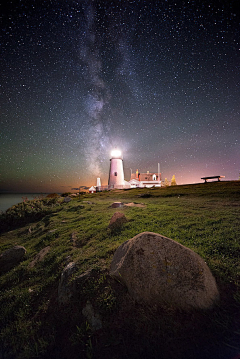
<point>116,153</point>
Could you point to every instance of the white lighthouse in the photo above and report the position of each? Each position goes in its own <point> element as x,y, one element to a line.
<point>116,174</point>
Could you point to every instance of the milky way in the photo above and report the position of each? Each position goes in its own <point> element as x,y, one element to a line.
<point>158,80</point>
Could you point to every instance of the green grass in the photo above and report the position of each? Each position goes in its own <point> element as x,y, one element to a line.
<point>204,218</point>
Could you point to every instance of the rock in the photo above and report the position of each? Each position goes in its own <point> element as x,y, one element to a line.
<point>158,270</point>
<point>144,195</point>
<point>66,286</point>
<point>74,238</point>
<point>117,204</point>
<point>11,257</point>
<point>93,318</point>
<point>40,256</point>
<point>52,231</point>
<point>80,280</point>
<point>117,220</point>
<point>67,199</point>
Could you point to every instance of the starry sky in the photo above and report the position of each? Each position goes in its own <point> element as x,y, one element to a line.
<point>159,80</point>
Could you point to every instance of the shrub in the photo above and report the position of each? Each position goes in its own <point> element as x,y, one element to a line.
<point>26,212</point>
<point>52,195</point>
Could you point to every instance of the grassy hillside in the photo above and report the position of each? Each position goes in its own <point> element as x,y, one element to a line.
<point>204,218</point>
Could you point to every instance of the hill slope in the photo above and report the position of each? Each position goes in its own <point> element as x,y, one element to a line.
<point>204,218</point>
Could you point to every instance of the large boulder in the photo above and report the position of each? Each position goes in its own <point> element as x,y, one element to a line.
<point>11,257</point>
<point>160,271</point>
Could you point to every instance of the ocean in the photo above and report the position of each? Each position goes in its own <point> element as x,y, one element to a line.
<point>8,200</point>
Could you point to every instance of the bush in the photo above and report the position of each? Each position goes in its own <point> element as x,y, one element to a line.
<point>52,195</point>
<point>66,194</point>
<point>26,212</point>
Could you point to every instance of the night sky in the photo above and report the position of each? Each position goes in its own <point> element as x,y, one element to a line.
<point>159,80</point>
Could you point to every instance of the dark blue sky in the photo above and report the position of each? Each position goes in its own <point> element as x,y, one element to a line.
<point>159,80</point>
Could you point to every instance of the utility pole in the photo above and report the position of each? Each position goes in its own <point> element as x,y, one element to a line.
<point>159,173</point>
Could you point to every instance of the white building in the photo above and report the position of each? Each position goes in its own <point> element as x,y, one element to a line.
<point>116,176</point>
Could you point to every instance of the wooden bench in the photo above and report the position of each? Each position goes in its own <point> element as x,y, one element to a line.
<point>213,177</point>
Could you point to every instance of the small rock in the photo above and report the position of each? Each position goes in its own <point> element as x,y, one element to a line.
<point>67,199</point>
<point>80,280</point>
<point>93,318</point>
<point>117,204</point>
<point>11,257</point>
<point>117,220</point>
<point>66,286</point>
<point>52,230</point>
<point>74,238</point>
<point>144,195</point>
<point>40,256</point>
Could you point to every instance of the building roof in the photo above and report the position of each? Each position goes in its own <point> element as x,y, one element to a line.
<point>93,188</point>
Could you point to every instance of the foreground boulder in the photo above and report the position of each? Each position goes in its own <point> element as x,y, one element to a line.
<point>11,257</point>
<point>160,271</point>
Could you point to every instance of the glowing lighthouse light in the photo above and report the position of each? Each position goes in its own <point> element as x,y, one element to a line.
<point>116,154</point>
<point>116,174</point>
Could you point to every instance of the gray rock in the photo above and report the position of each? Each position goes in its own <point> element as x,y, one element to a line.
<point>74,238</point>
<point>40,256</point>
<point>93,318</point>
<point>52,230</point>
<point>160,271</point>
<point>66,286</point>
<point>117,220</point>
<point>117,204</point>
<point>83,277</point>
<point>67,199</point>
<point>80,280</point>
<point>11,257</point>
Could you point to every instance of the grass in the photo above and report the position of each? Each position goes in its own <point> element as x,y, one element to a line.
<point>204,218</point>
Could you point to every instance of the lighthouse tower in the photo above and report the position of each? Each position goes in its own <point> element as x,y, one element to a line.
<point>116,174</point>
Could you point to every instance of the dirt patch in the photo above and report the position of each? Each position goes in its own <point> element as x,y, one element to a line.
<point>132,204</point>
